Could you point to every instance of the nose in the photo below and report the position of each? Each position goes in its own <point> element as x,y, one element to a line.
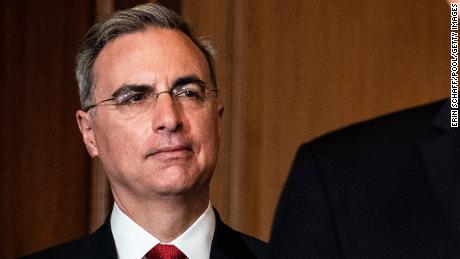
<point>167,117</point>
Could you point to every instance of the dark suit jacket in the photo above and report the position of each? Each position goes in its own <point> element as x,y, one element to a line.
<point>227,243</point>
<point>386,188</point>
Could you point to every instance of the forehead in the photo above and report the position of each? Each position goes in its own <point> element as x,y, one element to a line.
<point>152,56</point>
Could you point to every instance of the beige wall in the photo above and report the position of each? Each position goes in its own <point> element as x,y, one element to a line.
<point>293,70</point>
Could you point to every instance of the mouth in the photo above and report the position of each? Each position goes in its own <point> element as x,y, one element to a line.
<point>173,151</point>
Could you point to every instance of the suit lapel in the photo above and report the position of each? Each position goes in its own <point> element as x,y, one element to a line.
<point>441,157</point>
<point>106,245</point>
<point>100,244</point>
<point>227,243</point>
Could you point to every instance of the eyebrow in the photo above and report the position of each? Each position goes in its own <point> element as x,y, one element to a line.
<point>131,88</point>
<point>188,79</point>
<point>180,81</point>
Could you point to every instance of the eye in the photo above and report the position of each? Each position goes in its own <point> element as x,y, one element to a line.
<point>189,91</point>
<point>131,97</point>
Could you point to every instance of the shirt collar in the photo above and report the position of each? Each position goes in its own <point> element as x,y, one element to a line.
<point>133,242</point>
<point>196,241</point>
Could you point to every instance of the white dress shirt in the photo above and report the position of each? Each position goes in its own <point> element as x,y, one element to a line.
<point>133,242</point>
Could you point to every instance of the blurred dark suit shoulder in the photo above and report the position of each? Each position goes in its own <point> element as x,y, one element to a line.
<point>384,188</point>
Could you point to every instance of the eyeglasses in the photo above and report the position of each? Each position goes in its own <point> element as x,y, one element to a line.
<point>189,92</point>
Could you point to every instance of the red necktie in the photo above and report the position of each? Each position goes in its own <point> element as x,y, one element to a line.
<point>165,252</point>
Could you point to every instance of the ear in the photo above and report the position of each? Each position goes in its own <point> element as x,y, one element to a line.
<point>85,123</point>
<point>220,114</point>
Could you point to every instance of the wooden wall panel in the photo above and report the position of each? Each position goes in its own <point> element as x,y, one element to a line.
<point>298,69</point>
<point>43,163</point>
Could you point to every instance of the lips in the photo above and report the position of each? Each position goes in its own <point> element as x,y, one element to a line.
<point>176,149</point>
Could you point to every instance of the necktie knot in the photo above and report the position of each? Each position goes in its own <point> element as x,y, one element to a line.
<point>161,251</point>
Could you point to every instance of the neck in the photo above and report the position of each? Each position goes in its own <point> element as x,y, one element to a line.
<point>165,217</point>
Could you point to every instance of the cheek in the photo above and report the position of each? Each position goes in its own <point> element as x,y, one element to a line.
<point>206,133</point>
<point>117,141</point>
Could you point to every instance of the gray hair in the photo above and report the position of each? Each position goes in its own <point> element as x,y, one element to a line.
<point>128,21</point>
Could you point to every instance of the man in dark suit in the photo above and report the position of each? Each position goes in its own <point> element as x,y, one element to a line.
<point>385,188</point>
<point>150,114</point>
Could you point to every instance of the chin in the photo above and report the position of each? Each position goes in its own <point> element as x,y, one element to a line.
<point>172,181</point>
<point>171,189</point>
<point>178,179</point>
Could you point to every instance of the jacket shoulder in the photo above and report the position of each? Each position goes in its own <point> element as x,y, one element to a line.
<point>66,250</point>
<point>100,244</point>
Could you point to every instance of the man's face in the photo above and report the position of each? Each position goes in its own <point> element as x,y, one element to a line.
<point>168,149</point>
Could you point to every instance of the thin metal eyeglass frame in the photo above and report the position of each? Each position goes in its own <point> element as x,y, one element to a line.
<point>86,109</point>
